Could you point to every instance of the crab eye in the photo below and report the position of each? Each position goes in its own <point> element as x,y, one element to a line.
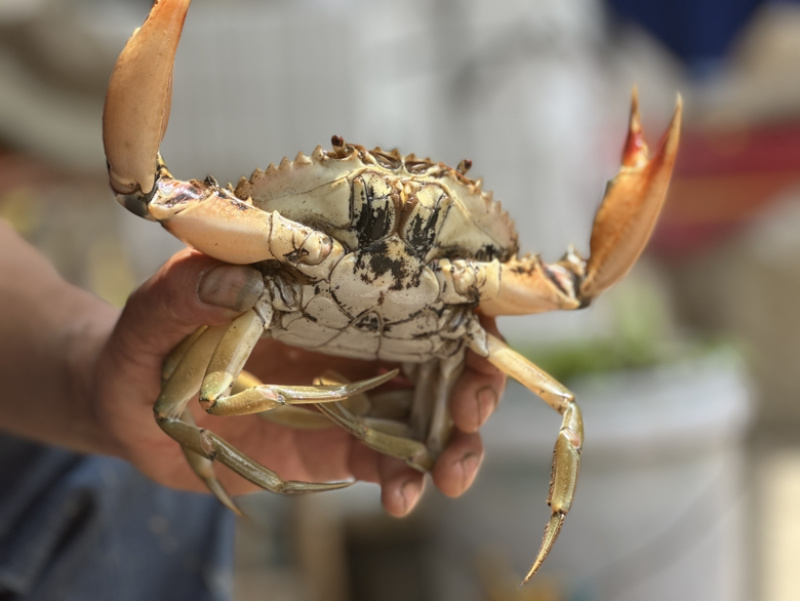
<point>418,167</point>
<point>387,160</point>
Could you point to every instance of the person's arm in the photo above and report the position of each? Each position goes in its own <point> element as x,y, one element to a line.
<point>50,333</point>
<point>81,374</point>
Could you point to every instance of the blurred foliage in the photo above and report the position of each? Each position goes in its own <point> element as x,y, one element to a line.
<point>643,335</point>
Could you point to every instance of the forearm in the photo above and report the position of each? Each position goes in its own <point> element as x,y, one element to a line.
<point>50,335</point>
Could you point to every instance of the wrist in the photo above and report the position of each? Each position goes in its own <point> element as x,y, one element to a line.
<point>85,331</point>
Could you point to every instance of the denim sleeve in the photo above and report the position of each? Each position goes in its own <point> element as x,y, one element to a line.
<point>85,527</point>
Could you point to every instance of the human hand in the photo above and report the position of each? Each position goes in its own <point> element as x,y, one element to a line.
<point>191,290</point>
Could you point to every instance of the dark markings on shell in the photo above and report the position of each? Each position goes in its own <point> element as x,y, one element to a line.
<point>369,322</point>
<point>380,262</point>
<point>382,211</point>
<point>375,218</point>
<point>421,232</point>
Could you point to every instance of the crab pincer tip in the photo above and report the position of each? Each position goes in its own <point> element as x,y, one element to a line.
<point>551,533</point>
<point>635,151</point>
<point>673,131</point>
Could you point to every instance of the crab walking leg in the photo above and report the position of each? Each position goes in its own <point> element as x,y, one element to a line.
<point>202,447</point>
<point>622,227</point>
<point>430,419</point>
<point>212,363</point>
<point>179,352</point>
<point>357,416</point>
<point>227,362</point>
<point>566,457</point>
<point>413,452</point>
<point>303,419</point>
<point>289,415</point>
<point>183,372</point>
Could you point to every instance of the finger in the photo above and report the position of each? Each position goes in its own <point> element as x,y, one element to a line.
<point>401,486</point>
<point>457,466</point>
<point>363,462</point>
<point>476,393</point>
<point>475,396</point>
<point>188,291</point>
<point>479,388</point>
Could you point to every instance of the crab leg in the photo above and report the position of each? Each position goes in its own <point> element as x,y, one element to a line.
<point>429,420</point>
<point>567,453</point>
<point>228,360</point>
<point>622,227</point>
<point>372,421</point>
<point>413,452</point>
<point>210,362</point>
<point>383,411</point>
<point>372,425</point>
<point>288,415</point>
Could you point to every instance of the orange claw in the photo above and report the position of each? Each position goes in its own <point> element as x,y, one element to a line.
<point>631,205</point>
<point>622,227</point>
<point>138,99</point>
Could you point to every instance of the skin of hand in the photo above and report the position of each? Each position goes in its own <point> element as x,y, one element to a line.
<point>80,374</point>
<point>121,366</point>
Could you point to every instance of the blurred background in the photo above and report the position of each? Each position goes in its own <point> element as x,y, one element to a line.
<point>687,371</point>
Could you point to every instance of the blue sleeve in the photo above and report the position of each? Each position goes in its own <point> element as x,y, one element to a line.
<point>77,527</point>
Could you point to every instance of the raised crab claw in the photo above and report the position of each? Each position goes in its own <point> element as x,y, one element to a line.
<point>367,254</point>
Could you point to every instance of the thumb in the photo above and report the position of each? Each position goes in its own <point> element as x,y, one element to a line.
<point>189,290</point>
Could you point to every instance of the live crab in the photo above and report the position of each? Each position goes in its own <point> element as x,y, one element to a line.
<point>367,254</point>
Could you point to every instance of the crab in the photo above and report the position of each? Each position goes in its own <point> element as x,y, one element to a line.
<point>367,254</point>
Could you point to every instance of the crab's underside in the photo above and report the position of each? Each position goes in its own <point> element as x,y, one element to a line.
<point>366,254</point>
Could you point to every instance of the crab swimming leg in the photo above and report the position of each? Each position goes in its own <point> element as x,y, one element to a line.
<point>567,454</point>
<point>622,227</point>
<point>210,361</point>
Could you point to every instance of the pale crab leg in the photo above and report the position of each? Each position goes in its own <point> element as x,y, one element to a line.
<point>429,420</point>
<point>567,453</point>
<point>229,358</point>
<point>179,352</point>
<point>413,452</point>
<point>210,361</point>
<point>289,415</point>
<point>382,410</point>
<point>370,420</point>
<point>202,447</point>
<point>622,226</point>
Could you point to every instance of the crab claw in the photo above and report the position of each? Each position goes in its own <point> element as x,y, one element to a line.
<point>631,205</point>
<point>622,227</point>
<point>138,103</point>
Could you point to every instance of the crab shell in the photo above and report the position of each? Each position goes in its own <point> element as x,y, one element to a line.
<point>366,254</point>
<point>402,223</point>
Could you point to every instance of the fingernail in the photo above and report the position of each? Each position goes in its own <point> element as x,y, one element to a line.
<point>410,493</point>
<point>234,287</point>
<point>487,401</point>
